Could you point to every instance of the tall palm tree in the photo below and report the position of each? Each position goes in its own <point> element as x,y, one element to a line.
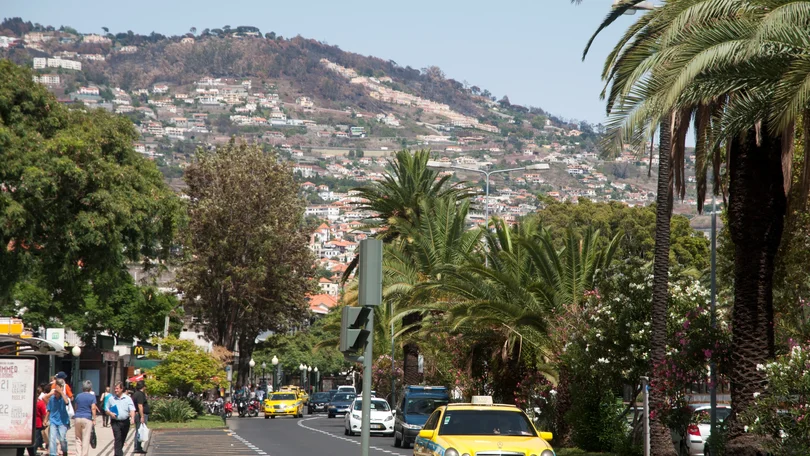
<point>398,200</point>
<point>740,68</point>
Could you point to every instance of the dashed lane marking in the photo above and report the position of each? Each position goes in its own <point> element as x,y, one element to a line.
<point>340,437</point>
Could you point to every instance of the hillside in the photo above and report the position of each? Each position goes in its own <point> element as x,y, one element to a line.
<point>337,114</point>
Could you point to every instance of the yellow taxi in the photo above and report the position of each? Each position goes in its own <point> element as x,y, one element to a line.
<point>302,395</point>
<point>283,403</point>
<point>481,428</point>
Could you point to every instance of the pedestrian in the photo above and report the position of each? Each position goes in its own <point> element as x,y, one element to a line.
<point>105,397</point>
<point>122,413</point>
<point>58,416</point>
<point>41,411</point>
<point>84,417</point>
<point>67,391</point>
<point>46,388</point>
<point>142,411</point>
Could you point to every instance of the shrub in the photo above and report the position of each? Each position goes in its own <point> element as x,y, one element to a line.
<point>196,404</point>
<point>172,411</point>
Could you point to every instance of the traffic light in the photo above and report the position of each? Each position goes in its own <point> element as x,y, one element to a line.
<point>353,330</point>
<point>370,272</point>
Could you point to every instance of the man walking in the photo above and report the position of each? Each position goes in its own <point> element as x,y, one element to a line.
<point>84,418</point>
<point>141,413</point>
<point>59,418</point>
<point>122,413</point>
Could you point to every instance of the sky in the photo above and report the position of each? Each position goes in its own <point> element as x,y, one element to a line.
<point>530,50</point>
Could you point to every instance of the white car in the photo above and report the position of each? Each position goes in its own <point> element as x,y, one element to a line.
<point>382,417</point>
<point>699,429</point>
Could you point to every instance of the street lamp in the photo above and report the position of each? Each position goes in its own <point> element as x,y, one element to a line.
<point>302,368</point>
<point>264,366</point>
<point>317,379</point>
<point>76,351</point>
<point>274,361</point>
<point>252,364</point>
<point>538,166</point>
<point>309,378</point>
<point>641,6</point>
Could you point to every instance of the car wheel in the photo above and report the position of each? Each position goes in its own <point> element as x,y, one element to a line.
<point>397,441</point>
<point>267,417</point>
<point>272,417</point>
<point>345,431</point>
<point>331,416</point>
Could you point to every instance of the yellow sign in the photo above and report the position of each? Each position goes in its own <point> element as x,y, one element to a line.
<point>137,350</point>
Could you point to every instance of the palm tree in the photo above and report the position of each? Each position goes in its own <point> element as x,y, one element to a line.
<point>426,245</point>
<point>739,67</point>
<point>526,283</point>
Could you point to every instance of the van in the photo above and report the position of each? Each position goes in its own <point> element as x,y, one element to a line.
<point>346,389</point>
<point>416,405</point>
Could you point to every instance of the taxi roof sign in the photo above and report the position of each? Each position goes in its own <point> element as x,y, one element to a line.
<point>482,400</point>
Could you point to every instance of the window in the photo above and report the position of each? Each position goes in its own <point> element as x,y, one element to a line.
<point>431,423</point>
<point>486,422</point>
<point>375,406</point>
<point>283,397</point>
<point>423,405</point>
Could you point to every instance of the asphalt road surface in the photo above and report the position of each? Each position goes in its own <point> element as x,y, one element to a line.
<point>312,435</point>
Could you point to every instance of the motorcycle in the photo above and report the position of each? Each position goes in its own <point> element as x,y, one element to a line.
<point>253,407</point>
<point>228,409</point>
<point>242,407</point>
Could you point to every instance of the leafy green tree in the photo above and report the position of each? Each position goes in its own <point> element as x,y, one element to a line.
<point>76,205</point>
<point>248,268</point>
<point>184,368</point>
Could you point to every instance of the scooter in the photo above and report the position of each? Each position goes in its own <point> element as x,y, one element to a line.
<point>228,409</point>
<point>253,407</point>
<point>242,407</point>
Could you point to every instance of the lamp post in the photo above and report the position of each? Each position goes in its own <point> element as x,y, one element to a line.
<point>309,378</point>
<point>641,6</point>
<point>76,351</point>
<point>317,379</point>
<point>252,364</point>
<point>302,368</point>
<point>264,366</point>
<point>274,361</point>
<point>539,166</point>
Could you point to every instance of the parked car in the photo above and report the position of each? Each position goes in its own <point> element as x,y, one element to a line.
<point>318,402</point>
<point>416,405</point>
<point>340,404</point>
<point>693,441</point>
<point>381,418</point>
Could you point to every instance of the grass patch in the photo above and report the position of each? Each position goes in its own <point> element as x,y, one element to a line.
<point>203,422</point>
<point>578,452</point>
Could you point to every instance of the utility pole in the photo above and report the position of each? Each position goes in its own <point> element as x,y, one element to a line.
<point>357,326</point>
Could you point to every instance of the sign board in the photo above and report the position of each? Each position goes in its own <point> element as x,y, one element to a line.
<point>55,335</point>
<point>138,350</point>
<point>18,383</point>
<point>110,356</point>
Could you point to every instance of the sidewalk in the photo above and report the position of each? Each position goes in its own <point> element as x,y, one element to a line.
<point>105,441</point>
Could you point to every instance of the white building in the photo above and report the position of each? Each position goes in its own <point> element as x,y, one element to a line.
<point>48,79</point>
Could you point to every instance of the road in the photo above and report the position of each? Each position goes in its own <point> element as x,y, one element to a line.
<point>311,435</point>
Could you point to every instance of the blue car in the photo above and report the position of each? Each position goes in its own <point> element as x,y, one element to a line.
<point>340,404</point>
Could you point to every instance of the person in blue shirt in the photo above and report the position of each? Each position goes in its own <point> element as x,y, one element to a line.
<point>121,411</point>
<point>85,417</point>
<point>60,420</point>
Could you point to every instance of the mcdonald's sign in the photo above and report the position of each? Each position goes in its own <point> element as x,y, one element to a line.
<point>138,350</point>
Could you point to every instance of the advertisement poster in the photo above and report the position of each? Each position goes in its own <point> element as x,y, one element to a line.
<point>17,406</point>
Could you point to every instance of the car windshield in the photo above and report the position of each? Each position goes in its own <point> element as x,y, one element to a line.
<point>320,397</point>
<point>704,416</point>
<point>283,397</point>
<point>423,405</point>
<point>343,397</point>
<point>485,422</point>
<point>375,405</point>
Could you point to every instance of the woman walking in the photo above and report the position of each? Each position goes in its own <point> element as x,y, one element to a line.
<point>85,418</point>
<point>105,396</point>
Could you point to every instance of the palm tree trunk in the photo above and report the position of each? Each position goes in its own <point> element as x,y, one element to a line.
<point>756,214</point>
<point>660,437</point>
<point>562,431</point>
<point>410,364</point>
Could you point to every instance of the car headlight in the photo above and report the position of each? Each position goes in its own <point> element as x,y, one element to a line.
<point>451,452</point>
<point>356,416</point>
<point>547,453</point>
<point>389,418</point>
<point>411,426</point>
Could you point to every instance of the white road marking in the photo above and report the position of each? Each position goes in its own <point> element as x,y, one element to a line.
<point>248,444</point>
<point>340,437</point>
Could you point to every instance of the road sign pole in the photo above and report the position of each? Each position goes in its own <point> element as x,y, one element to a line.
<point>370,296</point>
